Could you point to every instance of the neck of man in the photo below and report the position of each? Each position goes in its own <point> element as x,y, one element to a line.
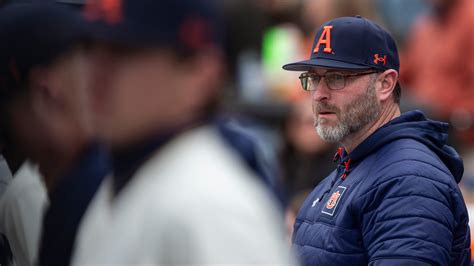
<point>388,113</point>
<point>59,161</point>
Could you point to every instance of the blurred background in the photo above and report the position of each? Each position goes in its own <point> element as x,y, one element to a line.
<point>436,46</point>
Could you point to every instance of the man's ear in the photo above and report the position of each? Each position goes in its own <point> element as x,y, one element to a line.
<point>206,70</point>
<point>43,95</point>
<point>101,68</point>
<point>387,80</point>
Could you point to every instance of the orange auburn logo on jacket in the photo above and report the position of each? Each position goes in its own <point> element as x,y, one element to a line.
<point>333,200</point>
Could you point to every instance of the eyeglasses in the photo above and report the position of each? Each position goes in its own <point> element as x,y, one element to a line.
<point>334,80</point>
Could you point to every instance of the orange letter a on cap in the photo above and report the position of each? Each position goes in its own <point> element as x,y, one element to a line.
<point>324,39</point>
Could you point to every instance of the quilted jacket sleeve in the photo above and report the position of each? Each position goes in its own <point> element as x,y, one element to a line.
<point>407,217</point>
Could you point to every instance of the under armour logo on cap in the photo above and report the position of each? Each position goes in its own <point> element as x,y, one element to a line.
<point>109,11</point>
<point>378,59</point>
<point>195,33</point>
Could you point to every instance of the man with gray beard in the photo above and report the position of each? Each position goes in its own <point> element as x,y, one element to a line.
<point>394,197</point>
<point>364,109</point>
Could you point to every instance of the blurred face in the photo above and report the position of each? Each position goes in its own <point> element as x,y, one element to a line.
<point>138,93</point>
<point>70,76</point>
<point>54,111</point>
<point>339,113</point>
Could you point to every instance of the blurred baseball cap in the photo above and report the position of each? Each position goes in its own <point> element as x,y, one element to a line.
<point>353,43</point>
<point>34,34</point>
<point>183,24</point>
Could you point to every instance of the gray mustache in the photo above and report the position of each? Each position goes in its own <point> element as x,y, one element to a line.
<point>326,107</point>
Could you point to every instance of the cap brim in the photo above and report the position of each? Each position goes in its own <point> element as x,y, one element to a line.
<point>306,65</point>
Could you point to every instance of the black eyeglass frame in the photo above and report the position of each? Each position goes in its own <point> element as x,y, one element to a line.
<point>304,78</point>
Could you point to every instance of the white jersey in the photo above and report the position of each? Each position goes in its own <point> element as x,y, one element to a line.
<point>193,203</point>
<point>5,175</point>
<point>22,207</point>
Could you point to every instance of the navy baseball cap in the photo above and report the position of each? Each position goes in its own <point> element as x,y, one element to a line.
<point>184,24</point>
<point>34,34</point>
<point>353,43</point>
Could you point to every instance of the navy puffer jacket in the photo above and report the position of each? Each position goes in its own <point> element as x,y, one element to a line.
<point>394,200</point>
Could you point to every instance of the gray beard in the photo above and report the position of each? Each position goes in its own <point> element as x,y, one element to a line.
<point>360,112</point>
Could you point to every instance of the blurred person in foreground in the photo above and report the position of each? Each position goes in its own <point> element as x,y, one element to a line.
<point>179,194</point>
<point>45,116</point>
<point>393,198</point>
<point>22,208</point>
<point>6,256</point>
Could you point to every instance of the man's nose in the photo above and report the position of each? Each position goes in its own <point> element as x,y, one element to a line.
<point>321,92</point>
